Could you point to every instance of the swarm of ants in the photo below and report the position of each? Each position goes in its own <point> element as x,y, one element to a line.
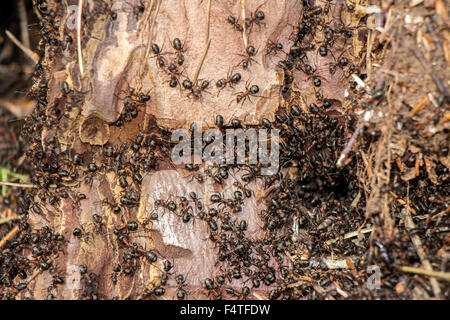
<point>311,204</point>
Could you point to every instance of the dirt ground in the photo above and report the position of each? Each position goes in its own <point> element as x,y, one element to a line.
<point>93,207</point>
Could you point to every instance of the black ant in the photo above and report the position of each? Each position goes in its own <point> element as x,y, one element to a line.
<point>305,68</point>
<point>161,62</point>
<point>272,47</point>
<point>230,80</point>
<point>247,192</point>
<point>256,17</point>
<point>186,209</point>
<point>174,72</point>
<point>113,205</point>
<point>197,201</point>
<point>138,10</point>
<point>178,46</point>
<point>78,198</point>
<point>107,8</point>
<point>340,62</point>
<point>212,289</point>
<point>181,283</point>
<point>195,89</point>
<point>129,226</point>
<point>98,221</point>
<point>170,205</point>
<point>195,174</point>
<point>116,270</point>
<point>219,121</point>
<point>242,96</point>
<point>314,11</point>
<point>250,52</point>
<point>232,20</point>
<point>239,295</point>
<point>79,232</point>
<point>168,265</point>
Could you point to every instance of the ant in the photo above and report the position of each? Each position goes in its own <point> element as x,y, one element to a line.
<point>79,232</point>
<point>168,265</point>
<point>195,175</point>
<point>243,95</point>
<point>174,72</point>
<point>181,282</point>
<point>219,121</point>
<point>113,206</point>
<point>197,201</point>
<point>130,226</point>
<point>340,62</point>
<point>178,46</point>
<point>314,11</point>
<point>231,203</point>
<point>138,10</point>
<point>272,47</point>
<point>230,80</point>
<point>256,17</point>
<point>247,192</point>
<point>186,209</point>
<point>232,20</point>
<point>195,89</point>
<point>250,52</point>
<point>78,198</point>
<point>170,205</point>
<point>240,295</point>
<point>116,270</point>
<point>107,8</point>
<point>161,62</point>
<point>98,221</point>
<point>212,289</point>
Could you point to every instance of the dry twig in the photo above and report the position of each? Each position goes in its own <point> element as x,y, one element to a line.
<point>9,236</point>
<point>15,184</point>
<point>197,72</point>
<point>349,146</point>
<point>409,225</point>
<point>351,235</point>
<point>5,220</point>
<point>80,57</point>
<point>259,297</point>
<point>23,23</point>
<point>436,274</point>
<point>208,19</point>
<point>27,51</point>
<point>244,27</point>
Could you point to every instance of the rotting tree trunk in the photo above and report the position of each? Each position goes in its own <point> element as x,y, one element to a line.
<point>362,106</point>
<point>117,55</point>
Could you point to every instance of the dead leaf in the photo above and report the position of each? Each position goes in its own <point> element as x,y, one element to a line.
<point>400,164</point>
<point>409,175</point>
<point>445,161</point>
<point>349,263</point>
<point>418,107</point>
<point>400,288</point>
<point>441,10</point>
<point>446,47</point>
<point>430,165</point>
<point>418,164</point>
